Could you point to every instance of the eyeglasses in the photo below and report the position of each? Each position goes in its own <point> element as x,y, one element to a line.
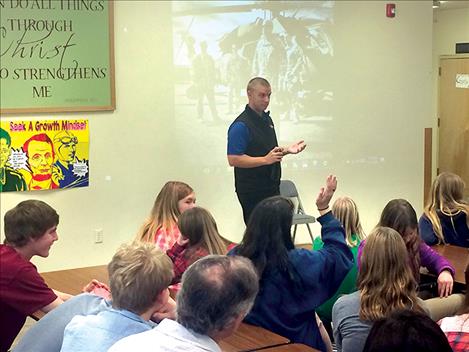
<point>67,140</point>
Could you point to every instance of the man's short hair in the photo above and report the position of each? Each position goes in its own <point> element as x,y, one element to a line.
<point>257,80</point>
<point>41,137</point>
<point>30,219</point>
<point>138,272</point>
<point>215,290</point>
<point>5,135</point>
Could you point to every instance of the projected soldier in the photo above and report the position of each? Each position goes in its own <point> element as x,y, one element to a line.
<point>204,81</point>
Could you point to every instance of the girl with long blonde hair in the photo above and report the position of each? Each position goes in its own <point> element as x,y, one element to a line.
<point>346,211</point>
<point>161,226</point>
<point>446,214</point>
<point>385,284</point>
<point>198,238</point>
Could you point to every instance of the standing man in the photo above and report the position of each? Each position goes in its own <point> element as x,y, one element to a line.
<point>253,149</point>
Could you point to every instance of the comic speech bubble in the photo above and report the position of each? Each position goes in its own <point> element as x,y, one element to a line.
<point>80,168</point>
<point>18,159</point>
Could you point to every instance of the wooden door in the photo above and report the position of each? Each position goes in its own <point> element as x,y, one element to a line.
<point>453,150</point>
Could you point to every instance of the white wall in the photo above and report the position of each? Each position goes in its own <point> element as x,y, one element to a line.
<point>382,85</point>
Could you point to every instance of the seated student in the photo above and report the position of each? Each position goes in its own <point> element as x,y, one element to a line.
<point>346,211</point>
<point>217,292</point>
<point>46,335</point>
<point>456,328</point>
<point>161,226</point>
<point>406,331</point>
<point>385,283</point>
<point>294,282</point>
<point>30,229</point>
<point>198,238</point>
<point>446,214</point>
<point>139,275</point>
<point>399,215</point>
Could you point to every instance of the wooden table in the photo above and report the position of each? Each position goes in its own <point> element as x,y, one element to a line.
<point>251,338</point>
<point>246,338</point>
<point>458,256</point>
<point>293,347</point>
<point>72,281</point>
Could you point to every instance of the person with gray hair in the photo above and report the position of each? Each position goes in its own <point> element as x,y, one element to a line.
<point>217,293</point>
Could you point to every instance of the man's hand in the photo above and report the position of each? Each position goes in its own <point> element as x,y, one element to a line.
<point>445,283</point>
<point>274,156</point>
<point>326,193</point>
<point>295,148</point>
<point>167,311</point>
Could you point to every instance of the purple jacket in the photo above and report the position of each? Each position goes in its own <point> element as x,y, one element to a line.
<point>429,259</point>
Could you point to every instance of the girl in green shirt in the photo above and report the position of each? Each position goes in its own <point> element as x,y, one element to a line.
<point>346,211</point>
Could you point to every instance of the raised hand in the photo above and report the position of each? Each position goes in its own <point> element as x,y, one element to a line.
<point>326,193</point>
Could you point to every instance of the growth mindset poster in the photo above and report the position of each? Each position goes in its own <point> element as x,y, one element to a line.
<point>43,154</point>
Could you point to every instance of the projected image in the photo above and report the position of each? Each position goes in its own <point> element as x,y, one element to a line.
<point>220,45</point>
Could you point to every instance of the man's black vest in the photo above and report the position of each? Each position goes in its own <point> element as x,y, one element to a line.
<point>262,141</point>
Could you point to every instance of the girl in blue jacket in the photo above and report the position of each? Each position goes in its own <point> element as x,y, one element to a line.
<point>294,282</point>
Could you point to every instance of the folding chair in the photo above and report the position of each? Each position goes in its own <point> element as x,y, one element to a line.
<point>288,189</point>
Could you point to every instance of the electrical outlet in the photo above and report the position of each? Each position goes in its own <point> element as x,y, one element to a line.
<point>98,236</point>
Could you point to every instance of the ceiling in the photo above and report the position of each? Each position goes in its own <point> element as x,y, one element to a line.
<point>449,5</point>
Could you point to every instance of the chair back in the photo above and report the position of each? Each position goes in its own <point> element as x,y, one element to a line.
<point>288,189</point>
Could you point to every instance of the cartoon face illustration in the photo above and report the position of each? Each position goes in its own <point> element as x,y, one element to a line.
<point>40,157</point>
<point>66,146</point>
<point>4,152</point>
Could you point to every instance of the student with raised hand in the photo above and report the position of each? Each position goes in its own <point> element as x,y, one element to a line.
<point>399,215</point>
<point>161,226</point>
<point>406,331</point>
<point>456,328</point>
<point>139,275</point>
<point>293,282</point>
<point>446,214</point>
<point>346,211</point>
<point>198,238</point>
<point>30,230</point>
<point>385,284</point>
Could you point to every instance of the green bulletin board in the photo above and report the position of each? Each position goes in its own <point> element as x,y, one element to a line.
<point>56,55</point>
